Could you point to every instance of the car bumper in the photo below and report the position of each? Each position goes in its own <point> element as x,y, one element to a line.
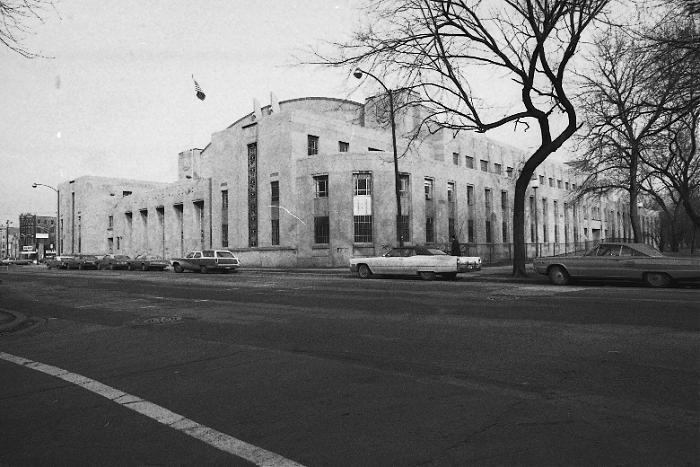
<point>468,267</point>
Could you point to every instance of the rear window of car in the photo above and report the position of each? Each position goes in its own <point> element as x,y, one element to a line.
<point>208,253</point>
<point>224,254</point>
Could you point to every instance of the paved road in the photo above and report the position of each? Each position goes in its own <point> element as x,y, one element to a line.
<point>332,370</point>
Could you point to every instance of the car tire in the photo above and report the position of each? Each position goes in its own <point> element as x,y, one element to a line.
<point>558,275</point>
<point>203,270</point>
<point>177,268</point>
<point>363,272</point>
<point>427,275</point>
<point>657,279</point>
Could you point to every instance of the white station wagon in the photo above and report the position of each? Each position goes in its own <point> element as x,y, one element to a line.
<point>415,260</point>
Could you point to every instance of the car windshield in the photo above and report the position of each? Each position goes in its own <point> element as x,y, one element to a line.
<point>121,257</point>
<point>224,254</point>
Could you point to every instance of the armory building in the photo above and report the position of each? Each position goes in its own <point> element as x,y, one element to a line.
<point>310,182</point>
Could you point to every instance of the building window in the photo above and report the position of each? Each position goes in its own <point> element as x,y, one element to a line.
<point>488,232</point>
<point>429,185</point>
<point>343,146</point>
<point>275,191</point>
<point>455,158</point>
<point>362,184</point>
<point>573,186</point>
<point>504,201</point>
<point>509,172</point>
<point>469,162</point>
<point>541,180</point>
<point>498,168</point>
<point>404,181</point>
<point>253,195</point>
<point>312,145</point>
<point>321,229</point>
<point>450,192</point>
<point>504,231</point>
<point>484,165</point>
<point>362,229</point>
<point>487,200</point>
<point>321,186</point>
<point>429,230</point>
<point>551,182</point>
<point>559,184</point>
<point>224,218</point>
<point>470,230</point>
<point>404,233</point>
<point>110,222</point>
<point>470,195</point>
<point>451,226</point>
<point>566,185</point>
<point>275,231</point>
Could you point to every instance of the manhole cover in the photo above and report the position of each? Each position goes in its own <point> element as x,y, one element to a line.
<point>162,320</point>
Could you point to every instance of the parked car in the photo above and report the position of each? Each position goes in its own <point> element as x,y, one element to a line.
<point>205,261</point>
<point>620,261</point>
<point>59,262</point>
<point>83,262</point>
<point>411,260</point>
<point>147,263</point>
<point>112,261</point>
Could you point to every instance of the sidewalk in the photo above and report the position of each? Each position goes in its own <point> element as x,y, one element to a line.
<point>500,273</point>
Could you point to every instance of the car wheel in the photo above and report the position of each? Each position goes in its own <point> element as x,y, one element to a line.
<point>364,272</point>
<point>203,270</point>
<point>177,268</point>
<point>450,276</point>
<point>558,275</point>
<point>657,279</point>
<point>427,275</point>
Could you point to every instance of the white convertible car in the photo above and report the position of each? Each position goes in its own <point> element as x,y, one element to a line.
<point>412,260</point>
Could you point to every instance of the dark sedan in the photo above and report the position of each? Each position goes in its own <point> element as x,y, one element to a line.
<point>113,262</point>
<point>620,261</point>
<point>147,263</point>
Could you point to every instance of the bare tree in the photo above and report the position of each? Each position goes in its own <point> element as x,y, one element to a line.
<point>433,47</point>
<point>16,20</point>
<point>625,111</point>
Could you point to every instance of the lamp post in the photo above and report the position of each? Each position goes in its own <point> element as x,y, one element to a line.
<point>397,178</point>
<point>7,238</point>
<point>58,214</point>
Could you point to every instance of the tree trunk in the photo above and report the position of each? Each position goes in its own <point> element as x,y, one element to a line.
<point>634,217</point>
<point>519,249</point>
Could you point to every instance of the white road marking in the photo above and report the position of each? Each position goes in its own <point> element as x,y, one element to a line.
<point>212,437</point>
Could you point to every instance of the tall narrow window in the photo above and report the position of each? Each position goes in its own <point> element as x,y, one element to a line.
<point>470,230</point>
<point>450,192</point>
<point>404,233</point>
<point>253,195</point>
<point>321,186</point>
<point>312,145</point>
<point>470,195</point>
<point>343,146</point>
<point>428,184</point>
<point>274,212</point>
<point>488,200</point>
<point>224,218</point>
<point>110,222</point>
<point>429,230</point>
<point>362,207</point>
<point>404,180</point>
<point>484,165</point>
<point>498,168</point>
<point>489,239</point>
<point>455,158</point>
<point>469,162</point>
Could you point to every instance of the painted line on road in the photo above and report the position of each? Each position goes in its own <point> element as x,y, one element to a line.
<point>210,436</point>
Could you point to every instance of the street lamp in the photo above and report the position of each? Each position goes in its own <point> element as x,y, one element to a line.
<point>397,178</point>
<point>58,214</point>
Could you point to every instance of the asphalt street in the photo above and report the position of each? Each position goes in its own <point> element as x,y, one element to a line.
<point>322,368</point>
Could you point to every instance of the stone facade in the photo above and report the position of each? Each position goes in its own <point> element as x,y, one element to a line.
<point>310,182</point>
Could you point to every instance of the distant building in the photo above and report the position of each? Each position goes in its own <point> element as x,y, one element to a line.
<point>310,182</point>
<point>37,236</point>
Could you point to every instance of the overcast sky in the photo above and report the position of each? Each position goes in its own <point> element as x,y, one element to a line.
<point>117,98</point>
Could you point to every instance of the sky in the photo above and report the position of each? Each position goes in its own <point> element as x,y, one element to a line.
<point>116,97</point>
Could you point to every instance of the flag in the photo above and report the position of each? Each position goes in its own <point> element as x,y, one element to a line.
<point>198,91</point>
